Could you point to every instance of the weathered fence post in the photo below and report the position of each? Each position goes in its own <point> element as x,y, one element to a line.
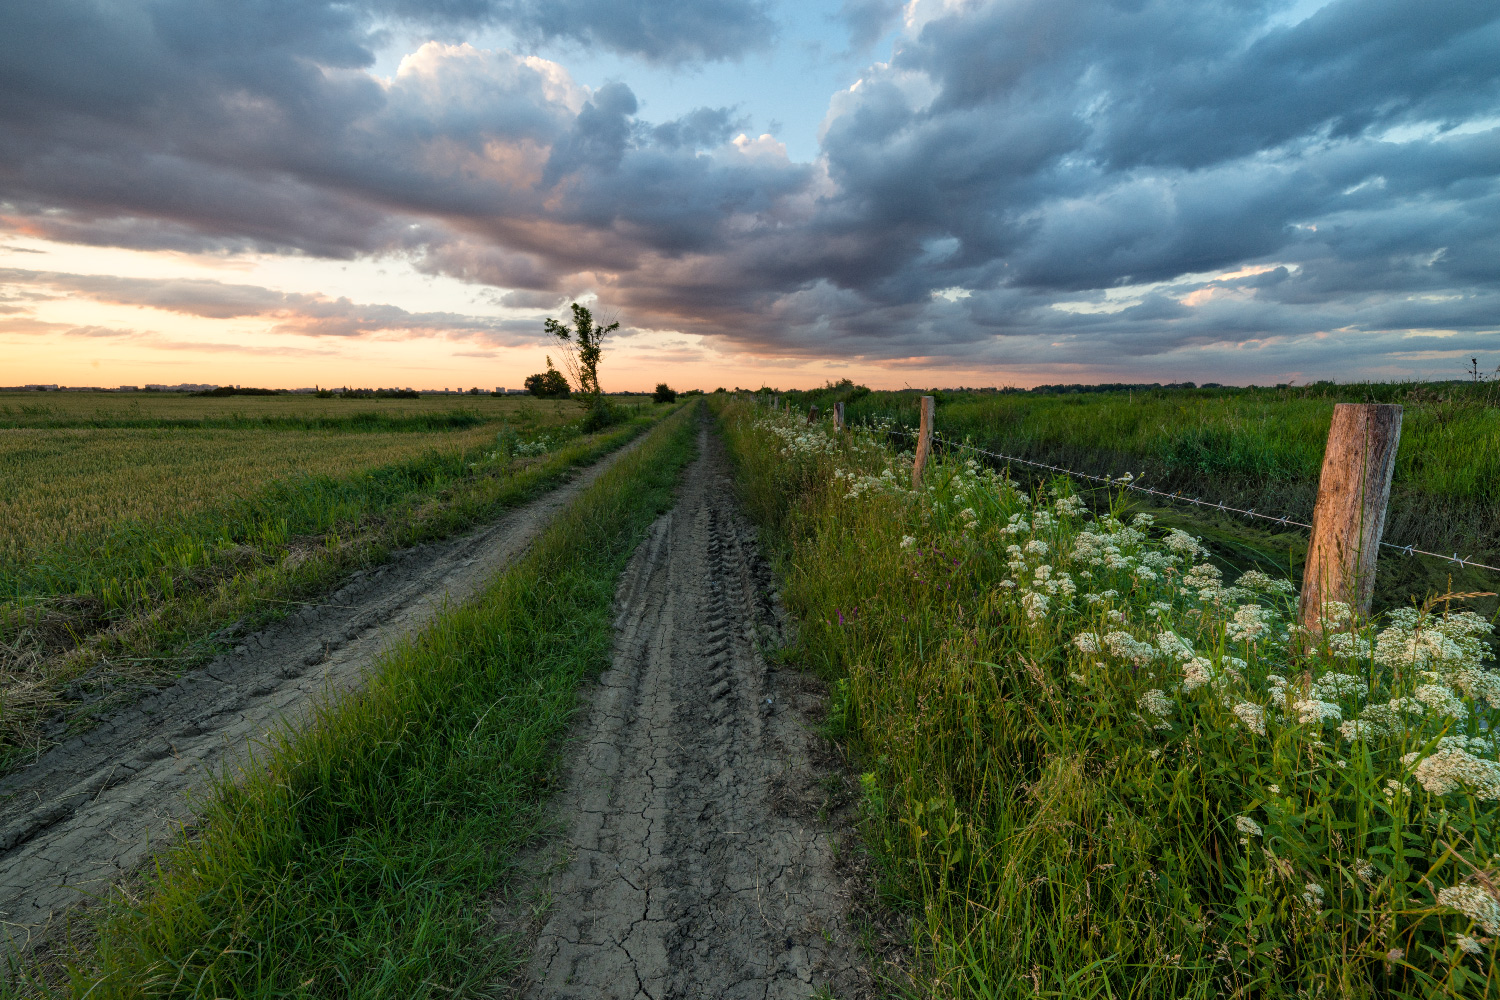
<point>775,402</point>
<point>1349,516</point>
<point>838,417</point>
<point>812,413</point>
<point>924,440</point>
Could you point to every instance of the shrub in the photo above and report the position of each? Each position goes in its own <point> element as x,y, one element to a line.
<point>602,413</point>
<point>549,384</point>
<point>664,394</point>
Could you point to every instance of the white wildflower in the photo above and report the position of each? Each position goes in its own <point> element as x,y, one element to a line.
<point>1250,622</point>
<point>1203,575</point>
<point>1086,642</point>
<point>1256,580</point>
<point>1365,870</point>
<point>1468,944</point>
<point>1035,605</point>
<point>1036,547</point>
<point>1174,646</point>
<point>1070,506</point>
<point>1156,704</point>
<point>1474,903</point>
<point>1336,615</point>
<point>1181,542</point>
<point>1441,699</point>
<point>1449,770</point>
<point>1247,826</point>
<point>1126,646</point>
<point>907,541</point>
<point>1336,685</point>
<point>1312,710</point>
<point>1197,672</point>
<point>1312,895</point>
<point>1251,716</point>
<point>1274,789</point>
<point>1042,573</point>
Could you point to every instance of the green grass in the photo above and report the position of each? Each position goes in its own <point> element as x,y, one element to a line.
<point>363,422</point>
<point>354,859</point>
<point>1256,447</point>
<point>142,600</point>
<point>1043,830</point>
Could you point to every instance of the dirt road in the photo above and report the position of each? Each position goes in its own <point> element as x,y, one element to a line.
<point>93,809</point>
<point>695,865</point>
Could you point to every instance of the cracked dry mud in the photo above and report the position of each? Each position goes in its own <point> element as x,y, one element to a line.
<point>91,811</point>
<point>686,875</point>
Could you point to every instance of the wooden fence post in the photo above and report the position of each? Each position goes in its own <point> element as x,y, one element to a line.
<point>924,441</point>
<point>775,402</point>
<point>838,417</point>
<point>812,413</point>
<point>1349,515</point>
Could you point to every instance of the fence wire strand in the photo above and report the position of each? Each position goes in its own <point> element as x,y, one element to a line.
<point>1408,550</point>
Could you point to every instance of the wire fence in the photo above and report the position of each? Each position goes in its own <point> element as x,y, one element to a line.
<point>1121,483</point>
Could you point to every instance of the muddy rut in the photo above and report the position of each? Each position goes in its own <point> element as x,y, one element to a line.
<point>92,810</point>
<point>691,870</point>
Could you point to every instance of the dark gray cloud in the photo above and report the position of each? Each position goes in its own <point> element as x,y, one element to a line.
<point>660,31</point>
<point>1020,180</point>
<point>868,20</point>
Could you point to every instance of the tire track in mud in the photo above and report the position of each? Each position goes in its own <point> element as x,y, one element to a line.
<point>92,811</point>
<point>687,876</point>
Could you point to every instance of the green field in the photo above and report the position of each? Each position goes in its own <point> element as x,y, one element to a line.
<point>1095,764</point>
<point>134,551</point>
<point>1258,449</point>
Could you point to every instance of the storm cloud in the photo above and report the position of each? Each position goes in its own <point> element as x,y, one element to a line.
<point>1021,183</point>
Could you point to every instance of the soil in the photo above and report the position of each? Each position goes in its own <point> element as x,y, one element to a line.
<point>699,859</point>
<point>89,813</point>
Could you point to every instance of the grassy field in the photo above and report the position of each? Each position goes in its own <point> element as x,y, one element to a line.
<point>138,553</point>
<point>1260,449</point>
<point>61,484</point>
<point>1094,764</point>
<point>144,409</point>
<point>358,857</point>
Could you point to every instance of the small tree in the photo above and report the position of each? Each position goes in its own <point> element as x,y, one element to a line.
<point>664,393</point>
<point>584,345</point>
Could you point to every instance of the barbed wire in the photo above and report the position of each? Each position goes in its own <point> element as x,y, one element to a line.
<point>1408,550</point>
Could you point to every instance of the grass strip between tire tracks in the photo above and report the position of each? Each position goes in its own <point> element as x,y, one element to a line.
<point>355,858</point>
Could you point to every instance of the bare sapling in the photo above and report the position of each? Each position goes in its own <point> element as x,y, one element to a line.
<point>1349,516</point>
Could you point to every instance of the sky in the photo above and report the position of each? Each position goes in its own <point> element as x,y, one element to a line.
<point>945,192</point>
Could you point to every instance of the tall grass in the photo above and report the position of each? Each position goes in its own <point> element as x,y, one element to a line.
<point>1258,447</point>
<point>354,858</point>
<point>1093,767</point>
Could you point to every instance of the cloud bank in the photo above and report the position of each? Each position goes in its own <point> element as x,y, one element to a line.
<point>1035,184</point>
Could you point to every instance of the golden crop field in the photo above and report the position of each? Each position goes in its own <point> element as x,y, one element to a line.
<point>59,483</point>
<point>36,407</point>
